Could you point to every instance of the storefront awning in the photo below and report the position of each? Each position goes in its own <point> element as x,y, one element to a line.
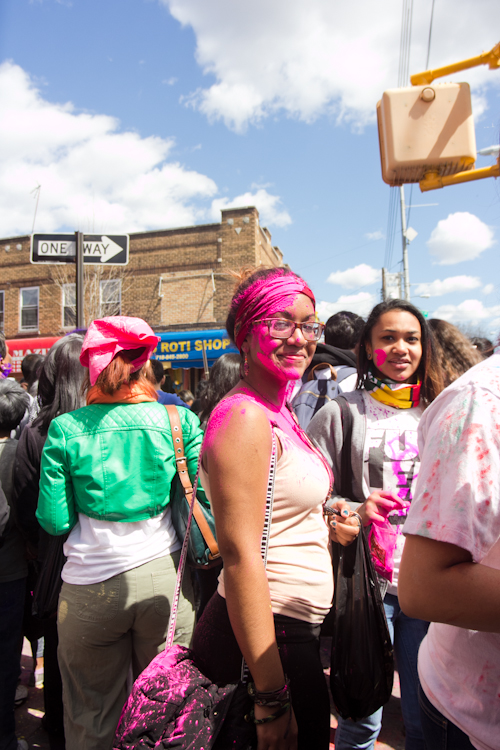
<point>184,348</point>
<point>19,348</point>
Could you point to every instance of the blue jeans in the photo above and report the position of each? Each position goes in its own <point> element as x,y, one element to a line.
<point>439,732</point>
<point>406,634</point>
<point>11,633</point>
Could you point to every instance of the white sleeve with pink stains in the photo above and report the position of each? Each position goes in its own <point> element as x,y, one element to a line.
<point>458,494</point>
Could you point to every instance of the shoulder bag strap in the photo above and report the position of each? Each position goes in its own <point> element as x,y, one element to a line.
<point>345,465</point>
<point>182,470</point>
<point>183,557</point>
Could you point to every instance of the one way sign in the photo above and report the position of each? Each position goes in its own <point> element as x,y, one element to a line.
<point>98,249</point>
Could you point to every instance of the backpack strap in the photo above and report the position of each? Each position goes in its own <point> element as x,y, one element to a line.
<point>182,470</point>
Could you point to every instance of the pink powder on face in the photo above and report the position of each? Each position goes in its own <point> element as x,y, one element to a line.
<point>380,357</point>
<point>265,297</point>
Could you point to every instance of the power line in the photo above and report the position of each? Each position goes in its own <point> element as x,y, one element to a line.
<point>430,35</point>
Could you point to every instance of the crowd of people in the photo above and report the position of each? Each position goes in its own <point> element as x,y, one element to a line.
<point>87,470</point>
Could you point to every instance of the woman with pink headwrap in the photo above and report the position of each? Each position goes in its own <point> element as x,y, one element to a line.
<point>106,473</point>
<point>270,615</point>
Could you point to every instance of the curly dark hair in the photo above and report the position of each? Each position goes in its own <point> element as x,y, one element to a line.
<point>428,372</point>
<point>455,352</point>
<point>223,377</point>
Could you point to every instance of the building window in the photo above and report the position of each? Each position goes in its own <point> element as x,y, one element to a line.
<point>2,310</point>
<point>111,297</point>
<point>29,308</point>
<point>69,305</point>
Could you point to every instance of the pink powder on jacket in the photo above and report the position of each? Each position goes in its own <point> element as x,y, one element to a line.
<point>266,296</point>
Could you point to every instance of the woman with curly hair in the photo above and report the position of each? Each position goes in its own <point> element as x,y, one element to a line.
<point>455,353</point>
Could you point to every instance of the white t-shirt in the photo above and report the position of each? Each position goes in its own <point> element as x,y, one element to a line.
<point>391,460</point>
<point>458,501</point>
<point>98,550</point>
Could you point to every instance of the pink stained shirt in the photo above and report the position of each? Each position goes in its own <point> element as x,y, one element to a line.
<point>458,501</point>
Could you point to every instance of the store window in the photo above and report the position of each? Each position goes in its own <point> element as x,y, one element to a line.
<point>69,305</point>
<point>29,308</point>
<point>2,311</point>
<point>111,297</point>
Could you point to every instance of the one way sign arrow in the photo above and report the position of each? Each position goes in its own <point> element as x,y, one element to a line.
<point>98,249</point>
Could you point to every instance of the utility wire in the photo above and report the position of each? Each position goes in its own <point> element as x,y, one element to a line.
<point>430,35</point>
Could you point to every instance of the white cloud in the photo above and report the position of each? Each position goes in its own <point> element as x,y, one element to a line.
<point>170,81</point>
<point>316,58</point>
<point>360,303</point>
<point>92,176</point>
<point>461,236</point>
<point>378,235</point>
<point>469,311</point>
<point>488,288</point>
<point>446,286</point>
<point>353,278</point>
<point>268,206</point>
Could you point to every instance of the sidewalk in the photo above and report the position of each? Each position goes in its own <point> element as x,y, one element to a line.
<point>29,715</point>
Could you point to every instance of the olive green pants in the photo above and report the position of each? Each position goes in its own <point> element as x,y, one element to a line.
<point>103,629</point>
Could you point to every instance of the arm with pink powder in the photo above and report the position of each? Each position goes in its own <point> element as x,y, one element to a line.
<point>450,571</point>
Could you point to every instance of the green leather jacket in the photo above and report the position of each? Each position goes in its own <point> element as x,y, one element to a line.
<point>112,462</point>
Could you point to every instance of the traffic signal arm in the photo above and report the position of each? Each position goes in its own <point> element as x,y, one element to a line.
<point>433,180</point>
<point>491,58</point>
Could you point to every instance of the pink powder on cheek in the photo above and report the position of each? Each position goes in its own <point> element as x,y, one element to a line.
<point>380,357</point>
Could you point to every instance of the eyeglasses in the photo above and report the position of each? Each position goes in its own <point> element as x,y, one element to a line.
<point>281,328</point>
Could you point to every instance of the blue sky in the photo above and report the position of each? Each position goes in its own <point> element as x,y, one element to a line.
<point>148,114</point>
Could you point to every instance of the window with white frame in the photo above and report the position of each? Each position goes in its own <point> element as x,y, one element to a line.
<point>29,308</point>
<point>2,311</point>
<point>69,305</point>
<point>111,297</point>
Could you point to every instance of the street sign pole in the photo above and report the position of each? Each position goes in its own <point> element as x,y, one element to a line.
<point>80,318</point>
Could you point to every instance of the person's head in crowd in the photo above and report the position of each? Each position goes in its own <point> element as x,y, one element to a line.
<point>115,350</point>
<point>224,375</point>
<point>31,367</point>
<point>455,352</point>
<point>60,381</point>
<point>186,396</point>
<point>343,330</point>
<point>482,345</point>
<point>261,324</point>
<point>13,404</point>
<point>157,374</point>
<point>200,389</point>
<point>5,358</point>
<point>417,364</point>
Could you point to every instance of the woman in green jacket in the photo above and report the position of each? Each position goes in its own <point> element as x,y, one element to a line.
<point>106,475</point>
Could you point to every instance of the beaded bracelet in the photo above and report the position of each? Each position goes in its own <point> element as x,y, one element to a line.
<point>271,698</point>
<point>267,719</point>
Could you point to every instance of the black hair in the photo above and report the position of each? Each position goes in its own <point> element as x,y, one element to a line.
<point>157,369</point>
<point>428,371</point>
<point>31,367</point>
<point>3,346</point>
<point>483,345</point>
<point>61,380</point>
<point>343,329</point>
<point>224,375</point>
<point>13,404</point>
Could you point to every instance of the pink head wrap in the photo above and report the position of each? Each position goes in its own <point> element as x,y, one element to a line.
<point>265,297</point>
<point>107,337</point>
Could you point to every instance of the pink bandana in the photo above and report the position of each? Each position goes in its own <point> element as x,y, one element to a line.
<point>107,337</point>
<point>265,297</point>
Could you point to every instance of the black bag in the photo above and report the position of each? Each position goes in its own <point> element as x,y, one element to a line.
<point>49,582</point>
<point>203,550</point>
<point>362,662</point>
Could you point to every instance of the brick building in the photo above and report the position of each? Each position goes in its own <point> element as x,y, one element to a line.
<point>177,280</point>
